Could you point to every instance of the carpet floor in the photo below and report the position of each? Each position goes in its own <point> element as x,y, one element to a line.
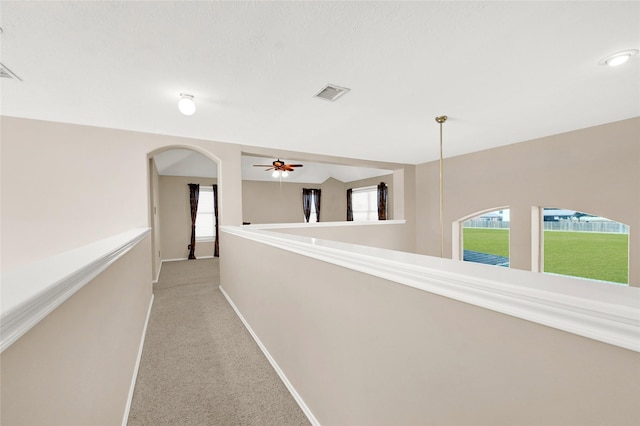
<point>199,364</point>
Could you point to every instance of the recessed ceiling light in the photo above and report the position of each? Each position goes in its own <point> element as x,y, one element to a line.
<point>186,105</point>
<point>619,58</point>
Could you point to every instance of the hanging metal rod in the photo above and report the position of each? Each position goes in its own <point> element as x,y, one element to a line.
<point>441,119</point>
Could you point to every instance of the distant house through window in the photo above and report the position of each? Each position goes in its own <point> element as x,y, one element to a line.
<point>486,238</point>
<point>584,245</point>
<point>205,219</point>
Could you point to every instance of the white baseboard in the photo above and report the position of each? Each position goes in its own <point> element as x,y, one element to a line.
<point>137,366</point>
<point>307,412</point>
<point>184,258</point>
<point>173,260</point>
<point>158,274</point>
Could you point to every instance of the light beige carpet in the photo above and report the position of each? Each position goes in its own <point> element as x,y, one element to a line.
<point>199,364</point>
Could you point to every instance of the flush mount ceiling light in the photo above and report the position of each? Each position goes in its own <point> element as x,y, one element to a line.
<point>619,58</point>
<point>186,105</point>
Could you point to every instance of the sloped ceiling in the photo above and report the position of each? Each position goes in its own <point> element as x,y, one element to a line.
<point>310,172</point>
<point>502,71</point>
<point>184,162</point>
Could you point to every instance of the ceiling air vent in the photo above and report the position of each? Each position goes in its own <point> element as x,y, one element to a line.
<point>331,92</point>
<point>7,73</point>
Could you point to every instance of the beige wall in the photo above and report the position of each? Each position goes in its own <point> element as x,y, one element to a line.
<point>273,202</point>
<point>333,202</point>
<point>75,366</point>
<point>391,236</point>
<point>281,202</point>
<point>155,220</point>
<point>594,170</point>
<point>175,212</point>
<point>364,350</point>
<point>93,183</point>
<point>65,186</point>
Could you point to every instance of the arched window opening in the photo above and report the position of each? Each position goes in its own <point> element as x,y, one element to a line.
<point>485,238</point>
<point>584,245</point>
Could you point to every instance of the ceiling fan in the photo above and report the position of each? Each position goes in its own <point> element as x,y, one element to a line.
<point>279,167</point>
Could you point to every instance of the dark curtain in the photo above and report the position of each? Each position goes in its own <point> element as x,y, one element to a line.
<point>306,203</point>
<point>216,248</point>
<point>382,201</point>
<point>194,192</point>
<point>317,203</point>
<point>349,205</point>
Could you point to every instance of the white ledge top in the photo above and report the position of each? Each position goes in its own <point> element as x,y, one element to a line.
<point>605,312</point>
<point>323,224</point>
<point>30,292</point>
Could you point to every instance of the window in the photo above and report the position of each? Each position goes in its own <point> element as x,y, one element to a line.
<point>583,245</point>
<point>313,218</point>
<point>364,202</point>
<point>205,220</point>
<point>311,204</point>
<point>486,238</point>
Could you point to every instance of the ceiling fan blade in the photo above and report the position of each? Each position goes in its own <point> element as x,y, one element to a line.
<point>294,165</point>
<point>262,165</point>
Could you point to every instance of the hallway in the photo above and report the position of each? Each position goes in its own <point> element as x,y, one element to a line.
<point>199,364</point>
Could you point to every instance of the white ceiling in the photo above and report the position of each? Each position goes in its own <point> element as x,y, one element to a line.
<point>185,162</point>
<point>502,71</point>
<point>310,172</point>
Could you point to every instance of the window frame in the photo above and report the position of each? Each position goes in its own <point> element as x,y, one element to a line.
<point>372,194</point>
<point>313,217</point>
<point>540,257</point>
<point>208,189</point>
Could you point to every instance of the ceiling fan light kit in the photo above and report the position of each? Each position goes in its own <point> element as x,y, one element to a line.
<point>279,167</point>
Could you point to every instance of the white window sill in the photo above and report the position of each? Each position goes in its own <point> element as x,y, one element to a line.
<point>205,240</point>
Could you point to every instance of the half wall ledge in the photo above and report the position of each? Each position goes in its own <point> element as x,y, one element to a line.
<point>606,313</point>
<point>32,291</point>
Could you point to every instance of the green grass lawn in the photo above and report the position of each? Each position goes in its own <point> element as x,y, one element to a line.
<point>580,254</point>
<point>487,240</point>
<point>588,255</point>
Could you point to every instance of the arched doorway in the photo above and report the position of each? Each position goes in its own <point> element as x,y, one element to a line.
<point>171,170</point>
